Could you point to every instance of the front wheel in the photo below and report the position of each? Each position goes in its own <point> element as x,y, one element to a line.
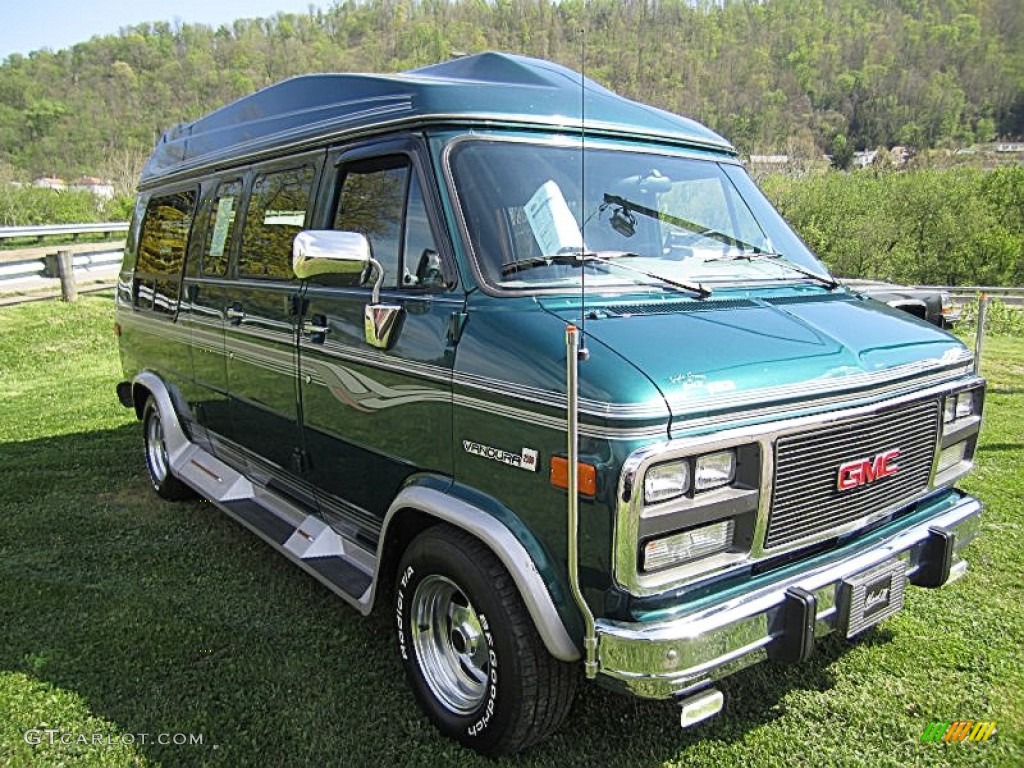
<point>471,653</point>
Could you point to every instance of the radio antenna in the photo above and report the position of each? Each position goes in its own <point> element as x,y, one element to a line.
<point>584,353</point>
<point>575,352</point>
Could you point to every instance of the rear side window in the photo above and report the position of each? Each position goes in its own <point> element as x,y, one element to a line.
<point>277,212</point>
<point>162,244</point>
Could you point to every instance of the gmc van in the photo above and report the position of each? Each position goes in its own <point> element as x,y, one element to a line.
<point>541,373</point>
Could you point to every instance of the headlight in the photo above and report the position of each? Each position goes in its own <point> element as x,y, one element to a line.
<point>949,410</point>
<point>958,406</point>
<point>688,545</point>
<point>964,404</point>
<point>713,470</point>
<point>666,481</point>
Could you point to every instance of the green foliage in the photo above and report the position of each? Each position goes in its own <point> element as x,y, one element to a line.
<point>928,73</point>
<point>842,152</point>
<point>958,226</point>
<point>1000,318</point>
<point>24,206</point>
<point>118,208</point>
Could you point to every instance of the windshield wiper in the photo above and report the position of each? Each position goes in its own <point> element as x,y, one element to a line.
<point>575,256</point>
<point>778,258</point>
<point>521,265</point>
<point>690,226</point>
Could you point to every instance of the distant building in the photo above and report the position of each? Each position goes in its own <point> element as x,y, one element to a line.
<point>864,159</point>
<point>769,159</point>
<point>99,187</point>
<point>50,182</point>
<point>769,163</point>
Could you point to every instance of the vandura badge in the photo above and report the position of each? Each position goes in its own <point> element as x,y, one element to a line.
<point>526,460</point>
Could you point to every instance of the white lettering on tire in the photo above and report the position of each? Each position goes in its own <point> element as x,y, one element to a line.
<point>399,604</point>
<point>480,725</point>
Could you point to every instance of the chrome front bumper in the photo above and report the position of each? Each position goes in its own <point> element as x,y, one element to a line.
<point>779,621</point>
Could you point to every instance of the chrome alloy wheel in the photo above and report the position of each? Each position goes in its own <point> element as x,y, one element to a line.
<point>156,449</point>
<point>450,645</point>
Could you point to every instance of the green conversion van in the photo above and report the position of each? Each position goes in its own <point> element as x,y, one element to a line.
<point>539,372</point>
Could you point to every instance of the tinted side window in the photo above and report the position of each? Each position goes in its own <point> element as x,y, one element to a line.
<point>382,199</point>
<point>162,245</point>
<point>221,228</point>
<point>372,202</point>
<point>276,213</point>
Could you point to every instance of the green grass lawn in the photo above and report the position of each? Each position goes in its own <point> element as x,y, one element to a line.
<point>124,614</point>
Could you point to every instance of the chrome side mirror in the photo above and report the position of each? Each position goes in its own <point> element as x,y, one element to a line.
<point>318,252</point>
<point>346,256</point>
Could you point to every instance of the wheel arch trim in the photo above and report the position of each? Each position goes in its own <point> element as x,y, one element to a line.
<point>506,547</point>
<point>175,437</point>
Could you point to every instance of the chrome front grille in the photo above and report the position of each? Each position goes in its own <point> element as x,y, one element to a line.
<point>807,502</point>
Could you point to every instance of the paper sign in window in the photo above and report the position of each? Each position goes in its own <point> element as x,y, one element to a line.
<point>221,226</point>
<point>552,222</point>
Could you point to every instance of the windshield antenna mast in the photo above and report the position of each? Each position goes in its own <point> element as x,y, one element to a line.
<point>584,353</point>
<point>576,351</point>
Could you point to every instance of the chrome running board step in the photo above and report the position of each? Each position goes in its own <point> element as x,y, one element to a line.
<point>345,567</point>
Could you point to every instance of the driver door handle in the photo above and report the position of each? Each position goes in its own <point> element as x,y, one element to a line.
<point>235,314</point>
<point>309,328</point>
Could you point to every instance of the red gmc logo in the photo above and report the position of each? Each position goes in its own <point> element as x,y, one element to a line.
<point>854,474</point>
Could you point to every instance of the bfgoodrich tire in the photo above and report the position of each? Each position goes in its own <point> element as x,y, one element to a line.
<point>471,653</point>
<point>153,442</point>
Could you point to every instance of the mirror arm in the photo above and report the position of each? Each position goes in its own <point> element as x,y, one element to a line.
<point>378,282</point>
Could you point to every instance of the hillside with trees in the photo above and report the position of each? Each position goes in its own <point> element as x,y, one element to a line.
<point>795,76</point>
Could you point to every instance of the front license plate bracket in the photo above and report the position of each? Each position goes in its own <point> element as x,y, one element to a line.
<point>868,597</point>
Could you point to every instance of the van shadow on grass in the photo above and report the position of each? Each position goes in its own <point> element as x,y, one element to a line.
<point>169,618</point>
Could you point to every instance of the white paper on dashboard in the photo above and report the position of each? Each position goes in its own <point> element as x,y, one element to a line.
<point>551,220</point>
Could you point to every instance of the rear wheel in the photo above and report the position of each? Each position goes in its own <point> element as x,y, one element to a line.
<point>470,650</point>
<point>155,445</point>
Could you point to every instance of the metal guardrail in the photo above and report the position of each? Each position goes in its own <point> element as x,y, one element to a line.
<point>1012,296</point>
<point>39,266</point>
<point>56,230</point>
<point>45,265</point>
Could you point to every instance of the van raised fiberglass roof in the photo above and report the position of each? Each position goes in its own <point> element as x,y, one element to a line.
<point>488,88</point>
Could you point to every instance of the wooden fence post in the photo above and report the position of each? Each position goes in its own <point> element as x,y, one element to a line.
<point>66,273</point>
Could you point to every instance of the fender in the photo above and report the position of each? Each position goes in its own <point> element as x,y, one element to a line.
<point>175,439</point>
<point>513,555</point>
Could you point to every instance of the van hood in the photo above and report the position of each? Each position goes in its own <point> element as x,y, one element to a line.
<point>719,355</point>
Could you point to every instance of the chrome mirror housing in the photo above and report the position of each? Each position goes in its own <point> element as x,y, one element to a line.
<point>347,257</point>
<point>318,252</point>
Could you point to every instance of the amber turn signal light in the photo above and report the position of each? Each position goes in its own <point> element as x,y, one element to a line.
<point>586,476</point>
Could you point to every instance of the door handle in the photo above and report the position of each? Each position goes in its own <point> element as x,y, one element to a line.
<point>315,329</point>
<point>310,328</point>
<point>235,314</point>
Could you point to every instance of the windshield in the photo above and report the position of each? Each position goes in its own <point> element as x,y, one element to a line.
<point>532,224</point>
